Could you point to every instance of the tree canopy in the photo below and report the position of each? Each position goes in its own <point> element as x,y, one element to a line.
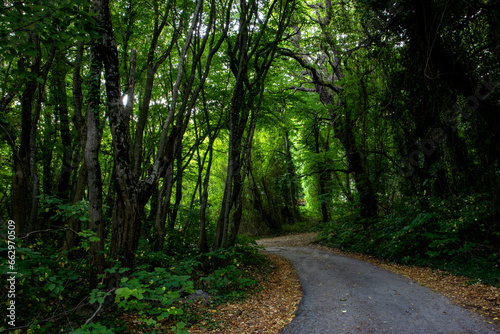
<point>175,128</point>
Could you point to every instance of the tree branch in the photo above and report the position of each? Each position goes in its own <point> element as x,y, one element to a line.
<point>48,230</point>
<point>99,308</point>
<point>302,89</point>
<point>314,73</point>
<point>11,142</point>
<point>325,170</point>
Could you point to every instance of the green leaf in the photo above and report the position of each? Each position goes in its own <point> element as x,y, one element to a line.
<point>124,293</point>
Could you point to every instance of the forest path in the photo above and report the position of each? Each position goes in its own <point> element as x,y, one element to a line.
<point>345,295</point>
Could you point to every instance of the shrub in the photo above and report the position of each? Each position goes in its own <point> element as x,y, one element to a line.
<point>459,233</point>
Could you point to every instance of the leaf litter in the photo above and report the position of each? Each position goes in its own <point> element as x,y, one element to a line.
<point>267,311</point>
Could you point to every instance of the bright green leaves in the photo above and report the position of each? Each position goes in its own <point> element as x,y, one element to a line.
<point>123,294</point>
<point>152,295</point>
<point>93,328</point>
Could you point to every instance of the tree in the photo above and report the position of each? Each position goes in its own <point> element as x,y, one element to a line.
<point>326,74</point>
<point>131,193</point>
<point>31,37</point>
<point>251,53</point>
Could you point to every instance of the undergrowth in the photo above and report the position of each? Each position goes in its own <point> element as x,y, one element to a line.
<point>459,234</point>
<point>54,294</point>
<point>306,225</point>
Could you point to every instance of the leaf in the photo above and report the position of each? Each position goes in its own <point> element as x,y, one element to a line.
<point>124,293</point>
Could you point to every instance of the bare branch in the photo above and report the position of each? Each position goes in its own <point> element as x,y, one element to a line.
<point>302,89</point>
<point>48,230</point>
<point>99,308</point>
<point>314,73</point>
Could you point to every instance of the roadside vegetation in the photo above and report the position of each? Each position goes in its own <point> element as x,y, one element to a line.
<point>142,141</point>
<point>162,293</point>
<point>459,235</point>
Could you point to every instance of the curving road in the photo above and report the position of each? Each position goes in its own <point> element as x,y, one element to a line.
<point>345,295</point>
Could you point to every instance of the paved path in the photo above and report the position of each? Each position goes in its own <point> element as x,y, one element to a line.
<point>345,295</point>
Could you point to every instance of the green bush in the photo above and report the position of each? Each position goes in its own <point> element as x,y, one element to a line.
<point>150,294</point>
<point>49,284</point>
<point>225,277</point>
<point>155,294</point>
<point>93,328</point>
<point>460,234</point>
<point>46,283</point>
<point>228,282</point>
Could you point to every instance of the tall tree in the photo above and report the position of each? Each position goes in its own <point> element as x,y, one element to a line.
<point>30,39</point>
<point>25,187</point>
<point>251,53</point>
<point>132,193</point>
<point>325,69</point>
<point>208,37</point>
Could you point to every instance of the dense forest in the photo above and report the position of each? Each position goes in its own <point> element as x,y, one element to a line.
<point>143,143</point>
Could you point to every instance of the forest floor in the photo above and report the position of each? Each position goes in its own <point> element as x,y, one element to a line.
<point>267,311</point>
<point>274,306</point>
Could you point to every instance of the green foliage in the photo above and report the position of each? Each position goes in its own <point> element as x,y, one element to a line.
<point>47,282</point>
<point>93,328</point>
<point>156,295</point>
<point>228,282</point>
<point>306,225</point>
<point>390,94</point>
<point>63,211</point>
<point>225,279</point>
<point>272,190</point>
<point>56,22</point>
<point>150,295</point>
<point>459,234</point>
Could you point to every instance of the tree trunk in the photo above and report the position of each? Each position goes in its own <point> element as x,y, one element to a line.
<point>75,223</point>
<point>22,185</point>
<point>356,167</point>
<point>25,186</point>
<point>242,104</point>
<point>151,69</point>
<point>178,187</point>
<point>132,194</point>
<point>292,191</point>
<point>325,85</point>
<point>234,149</point>
<point>212,135</point>
<point>163,207</point>
<point>81,180</point>
<point>202,242</point>
<point>61,106</point>
<point>94,180</point>
<point>324,177</point>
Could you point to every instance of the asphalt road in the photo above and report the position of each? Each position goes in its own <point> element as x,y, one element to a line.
<point>345,295</point>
